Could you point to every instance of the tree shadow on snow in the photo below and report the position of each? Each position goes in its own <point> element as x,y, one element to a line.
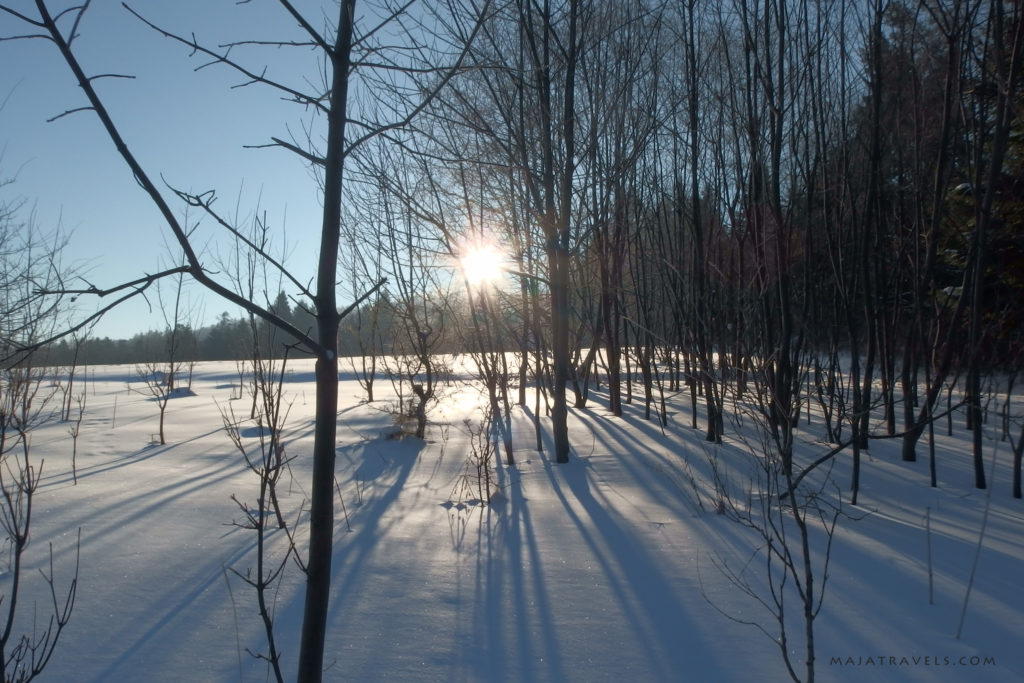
<point>665,635</point>
<point>514,628</point>
<point>381,469</point>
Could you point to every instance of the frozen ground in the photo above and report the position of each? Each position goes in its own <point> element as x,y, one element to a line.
<point>605,569</point>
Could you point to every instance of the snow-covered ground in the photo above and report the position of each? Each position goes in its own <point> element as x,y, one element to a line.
<point>610,568</point>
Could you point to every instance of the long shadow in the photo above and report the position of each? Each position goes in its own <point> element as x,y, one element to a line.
<point>646,460</point>
<point>479,641</point>
<point>641,448</point>
<point>508,552</point>
<point>180,602</point>
<point>65,478</point>
<point>367,427</point>
<point>184,595</point>
<point>646,597</point>
<point>354,550</point>
<point>165,496</point>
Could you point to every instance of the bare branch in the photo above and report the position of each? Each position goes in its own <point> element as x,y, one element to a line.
<point>355,304</point>
<point>81,9</point>
<point>98,76</point>
<point>224,59</point>
<point>25,36</point>
<point>428,97</point>
<point>195,267</point>
<point>402,68</point>
<point>142,281</point>
<point>138,287</point>
<point>278,142</point>
<point>387,20</point>
<point>205,202</point>
<point>266,43</point>
<point>317,38</point>
<point>26,19</point>
<point>68,113</point>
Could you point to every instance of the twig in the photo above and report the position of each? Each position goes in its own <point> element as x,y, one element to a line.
<point>342,499</point>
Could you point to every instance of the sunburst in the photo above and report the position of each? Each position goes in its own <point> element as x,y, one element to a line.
<point>481,265</point>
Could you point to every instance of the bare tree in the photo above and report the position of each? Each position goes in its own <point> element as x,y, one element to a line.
<point>421,309</point>
<point>75,429</point>
<point>24,404</point>
<point>520,106</point>
<point>68,389</point>
<point>159,376</point>
<point>795,523</point>
<point>27,399</point>
<point>29,262</point>
<point>369,323</point>
<point>990,122</point>
<point>268,461</point>
<point>354,58</point>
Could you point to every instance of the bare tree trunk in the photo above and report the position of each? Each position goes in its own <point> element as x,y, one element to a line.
<point>1004,62</point>
<point>1018,456</point>
<point>701,320</point>
<point>321,504</point>
<point>558,239</point>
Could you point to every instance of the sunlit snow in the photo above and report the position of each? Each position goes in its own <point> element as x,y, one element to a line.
<point>609,568</point>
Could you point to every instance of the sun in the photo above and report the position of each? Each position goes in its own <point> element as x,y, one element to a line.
<point>481,265</point>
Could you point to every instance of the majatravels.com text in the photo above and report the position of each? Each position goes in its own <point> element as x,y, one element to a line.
<point>929,660</point>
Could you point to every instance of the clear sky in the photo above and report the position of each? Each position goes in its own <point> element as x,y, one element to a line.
<point>188,127</point>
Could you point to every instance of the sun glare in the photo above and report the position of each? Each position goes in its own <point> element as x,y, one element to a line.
<point>482,265</point>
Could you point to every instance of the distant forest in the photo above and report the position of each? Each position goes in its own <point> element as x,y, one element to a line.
<point>230,338</point>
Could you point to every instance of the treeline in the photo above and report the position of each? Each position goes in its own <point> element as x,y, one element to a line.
<point>230,338</point>
<point>791,201</point>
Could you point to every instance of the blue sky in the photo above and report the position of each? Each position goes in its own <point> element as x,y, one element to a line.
<point>185,126</point>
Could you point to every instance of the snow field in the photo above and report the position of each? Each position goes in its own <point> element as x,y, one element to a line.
<point>605,569</point>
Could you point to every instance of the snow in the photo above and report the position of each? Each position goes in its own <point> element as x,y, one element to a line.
<point>608,568</point>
